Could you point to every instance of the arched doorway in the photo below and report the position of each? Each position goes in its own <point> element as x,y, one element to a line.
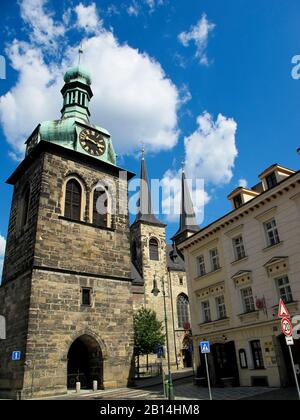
<point>85,363</point>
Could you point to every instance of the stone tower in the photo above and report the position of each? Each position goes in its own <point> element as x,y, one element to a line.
<point>149,257</point>
<point>66,290</point>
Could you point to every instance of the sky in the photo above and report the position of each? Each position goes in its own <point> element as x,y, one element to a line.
<point>204,82</point>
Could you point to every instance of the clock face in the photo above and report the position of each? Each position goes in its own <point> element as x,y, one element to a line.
<point>92,142</point>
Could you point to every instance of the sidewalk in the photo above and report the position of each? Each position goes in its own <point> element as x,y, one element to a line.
<point>176,375</point>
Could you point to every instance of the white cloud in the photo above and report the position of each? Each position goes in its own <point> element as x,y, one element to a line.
<point>133,10</point>
<point>2,252</point>
<point>133,98</point>
<point>211,150</point>
<point>243,183</point>
<point>87,18</point>
<point>199,35</point>
<point>43,29</point>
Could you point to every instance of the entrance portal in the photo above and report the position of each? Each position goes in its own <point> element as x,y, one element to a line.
<point>85,363</point>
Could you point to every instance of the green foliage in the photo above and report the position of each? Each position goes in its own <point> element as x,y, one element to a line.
<point>148,332</point>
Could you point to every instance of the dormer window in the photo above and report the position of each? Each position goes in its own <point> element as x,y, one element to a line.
<point>238,201</point>
<point>271,180</point>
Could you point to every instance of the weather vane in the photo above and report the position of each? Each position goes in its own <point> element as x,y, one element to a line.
<point>80,52</point>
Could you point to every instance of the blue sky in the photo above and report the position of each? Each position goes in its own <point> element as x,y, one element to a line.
<point>208,81</point>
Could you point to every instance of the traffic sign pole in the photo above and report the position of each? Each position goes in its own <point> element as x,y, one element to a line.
<point>208,378</point>
<point>295,373</point>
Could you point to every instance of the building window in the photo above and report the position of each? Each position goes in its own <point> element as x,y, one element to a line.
<point>201,266</point>
<point>271,180</point>
<point>257,356</point>
<point>86,297</point>
<point>248,301</point>
<point>243,359</point>
<point>153,250</point>
<point>25,206</point>
<point>180,281</point>
<point>239,249</point>
<point>221,307</point>
<point>73,200</point>
<point>182,310</point>
<point>284,289</point>
<point>271,232</point>
<point>100,208</point>
<point>214,258</point>
<point>206,311</point>
<point>237,201</point>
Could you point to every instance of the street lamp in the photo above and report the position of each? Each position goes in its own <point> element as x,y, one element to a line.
<point>155,291</point>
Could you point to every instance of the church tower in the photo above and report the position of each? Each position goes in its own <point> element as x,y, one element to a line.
<point>188,223</point>
<point>66,290</point>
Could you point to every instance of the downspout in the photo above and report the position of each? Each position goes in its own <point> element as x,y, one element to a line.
<point>173,321</point>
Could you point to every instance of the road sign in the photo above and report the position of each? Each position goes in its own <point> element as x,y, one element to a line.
<point>205,347</point>
<point>283,312</point>
<point>287,327</point>
<point>16,355</point>
<point>289,341</point>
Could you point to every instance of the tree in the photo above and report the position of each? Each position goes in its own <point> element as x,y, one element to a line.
<point>148,333</point>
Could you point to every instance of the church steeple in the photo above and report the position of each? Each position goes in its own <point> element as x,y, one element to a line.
<point>188,223</point>
<point>145,213</point>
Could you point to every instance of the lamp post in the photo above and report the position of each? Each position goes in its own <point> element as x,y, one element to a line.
<point>155,292</point>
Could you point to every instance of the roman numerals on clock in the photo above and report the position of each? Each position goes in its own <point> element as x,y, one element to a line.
<point>92,142</point>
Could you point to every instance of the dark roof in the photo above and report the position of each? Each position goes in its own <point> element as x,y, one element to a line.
<point>174,260</point>
<point>188,220</point>
<point>145,213</point>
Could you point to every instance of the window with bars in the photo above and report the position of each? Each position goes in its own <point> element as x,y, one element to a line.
<point>238,201</point>
<point>248,301</point>
<point>86,296</point>
<point>284,288</point>
<point>73,200</point>
<point>271,180</point>
<point>206,311</point>
<point>201,266</point>
<point>221,307</point>
<point>182,310</point>
<point>153,250</point>
<point>239,249</point>
<point>257,355</point>
<point>214,258</point>
<point>271,233</point>
<point>100,208</point>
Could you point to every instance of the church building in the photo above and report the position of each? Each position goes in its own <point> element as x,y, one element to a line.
<point>74,269</point>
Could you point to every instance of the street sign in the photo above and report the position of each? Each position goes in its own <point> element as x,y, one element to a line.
<point>16,355</point>
<point>283,312</point>
<point>160,351</point>
<point>2,328</point>
<point>289,341</point>
<point>287,327</point>
<point>205,347</point>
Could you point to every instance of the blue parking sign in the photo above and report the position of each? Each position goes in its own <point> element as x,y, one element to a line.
<point>205,347</point>
<point>16,355</point>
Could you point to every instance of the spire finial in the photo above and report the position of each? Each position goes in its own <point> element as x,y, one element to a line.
<point>183,165</point>
<point>143,151</point>
<point>80,52</point>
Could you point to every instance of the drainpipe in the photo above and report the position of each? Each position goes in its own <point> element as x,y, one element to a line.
<point>173,321</point>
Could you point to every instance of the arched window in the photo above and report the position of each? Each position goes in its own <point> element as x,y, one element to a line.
<point>25,206</point>
<point>182,310</point>
<point>153,250</point>
<point>73,200</point>
<point>100,208</point>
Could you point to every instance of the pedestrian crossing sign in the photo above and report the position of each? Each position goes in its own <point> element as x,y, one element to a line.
<point>205,347</point>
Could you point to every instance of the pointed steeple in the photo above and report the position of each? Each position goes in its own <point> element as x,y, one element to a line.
<point>145,213</point>
<point>188,223</point>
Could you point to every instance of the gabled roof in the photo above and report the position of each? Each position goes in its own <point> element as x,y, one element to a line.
<point>241,273</point>
<point>174,260</point>
<point>275,260</point>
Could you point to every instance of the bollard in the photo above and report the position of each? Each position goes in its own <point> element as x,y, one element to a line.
<point>78,387</point>
<point>95,386</point>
